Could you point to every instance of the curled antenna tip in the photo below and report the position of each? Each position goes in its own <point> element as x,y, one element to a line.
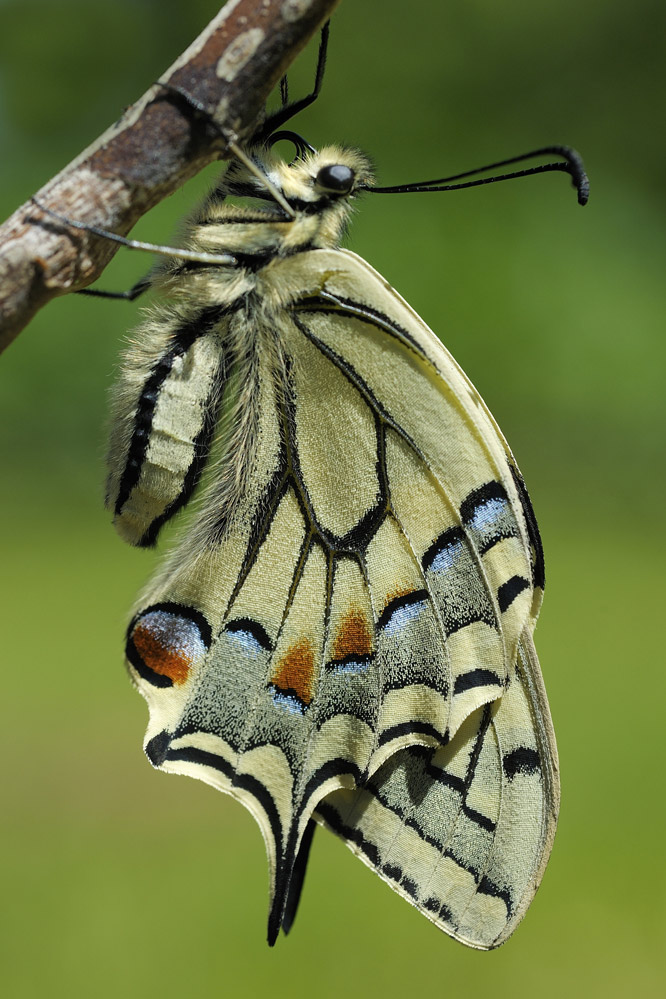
<point>582,185</point>
<point>579,178</point>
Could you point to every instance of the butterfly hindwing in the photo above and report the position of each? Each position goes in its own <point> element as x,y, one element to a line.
<point>440,824</point>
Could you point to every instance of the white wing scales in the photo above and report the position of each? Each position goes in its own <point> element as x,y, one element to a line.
<point>346,646</point>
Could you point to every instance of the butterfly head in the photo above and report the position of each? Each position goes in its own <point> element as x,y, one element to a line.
<point>318,186</point>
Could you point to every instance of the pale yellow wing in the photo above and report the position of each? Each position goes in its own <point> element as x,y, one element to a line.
<point>365,595</point>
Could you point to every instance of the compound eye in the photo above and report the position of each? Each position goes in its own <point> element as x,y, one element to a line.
<point>336,179</point>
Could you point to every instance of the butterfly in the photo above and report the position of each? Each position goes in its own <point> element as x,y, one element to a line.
<point>343,634</point>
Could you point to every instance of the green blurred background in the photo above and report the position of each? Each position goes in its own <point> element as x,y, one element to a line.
<point>120,881</point>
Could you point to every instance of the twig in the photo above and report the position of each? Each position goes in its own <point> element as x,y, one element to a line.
<point>154,148</point>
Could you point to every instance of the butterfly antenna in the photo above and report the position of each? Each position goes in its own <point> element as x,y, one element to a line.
<point>571,163</point>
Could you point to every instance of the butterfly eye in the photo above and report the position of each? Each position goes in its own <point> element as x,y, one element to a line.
<point>336,179</point>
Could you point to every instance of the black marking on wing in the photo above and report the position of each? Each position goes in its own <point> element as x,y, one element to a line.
<point>501,526</point>
<point>290,694</point>
<point>488,887</point>
<point>156,749</point>
<point>181,341</point>
<point>425,753</point>
<point>413,728</point>
<point>477,817</point>
<point>476,752</point>
<point>476,678</point>
<point>410,887</point>
<point>538,567</point>
<point>392,871</point>
<point>289,858</point>
<point>180,610</point>
<point>353,658</point>
<point>331,566</point>
<point>448,539</point>
<point>521,761</point>
<point>490,491</point>
<point>297,877</point>
<point>508,591</point>
<point>406,600</point>
<point>329,303</point>
<point>254,629</point>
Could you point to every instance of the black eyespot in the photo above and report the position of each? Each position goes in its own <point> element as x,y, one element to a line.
<point>336,178</point>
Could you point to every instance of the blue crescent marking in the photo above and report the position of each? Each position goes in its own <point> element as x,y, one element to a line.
<point>401,616</point>
<point>247,641</point>
<point>447,557</point>
<point>352,667</point>
<point>288,702</point>
<point>487,513</point>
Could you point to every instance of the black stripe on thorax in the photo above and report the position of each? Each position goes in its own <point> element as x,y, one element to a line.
<point>300,205</point>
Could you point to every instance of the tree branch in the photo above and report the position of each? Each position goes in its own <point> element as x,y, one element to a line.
<point>154,148</point>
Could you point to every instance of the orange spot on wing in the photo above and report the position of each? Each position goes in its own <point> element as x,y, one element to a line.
<point>353,637</point>
<point>295,670</point>
<point>174,663</point>
<point>399,591</point>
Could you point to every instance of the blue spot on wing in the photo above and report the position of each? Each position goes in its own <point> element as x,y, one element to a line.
<point>445,551</point>
<point>289,702</point>
<point>401,617</point>
<point>353,667</point>
<point>247,642</point>
<point>249,636</point>
<point>447,557</point>
<point>486,514</point>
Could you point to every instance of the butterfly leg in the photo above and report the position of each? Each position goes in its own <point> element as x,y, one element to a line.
<point>217,259</point>
<point>142,285</point>
<point>287,111</point>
